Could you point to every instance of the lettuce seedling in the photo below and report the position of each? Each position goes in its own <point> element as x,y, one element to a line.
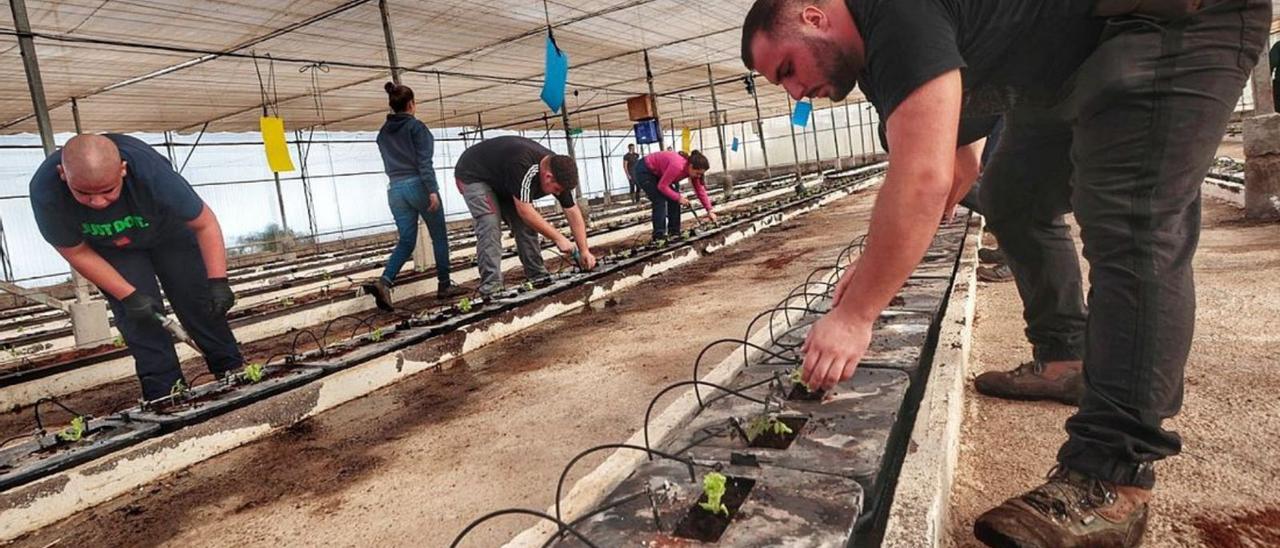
<point>465,305</point>
<point>253,372</point>
<point>177,390</point>
<point>797,375</point>
<point>118,341</point>
<point>376,336</point>
<point>75,431</point>
<point>528,286</point>
<point>714,486</point>
<point>766,423</point>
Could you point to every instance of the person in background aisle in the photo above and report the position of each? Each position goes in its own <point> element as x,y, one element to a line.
<point>122,217</point>
<point>628,162</point>
<point>658,174</point>
<point>500,178</point>
<point>407,147</point>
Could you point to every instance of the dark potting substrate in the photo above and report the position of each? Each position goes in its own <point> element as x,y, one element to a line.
<point>40,457</point>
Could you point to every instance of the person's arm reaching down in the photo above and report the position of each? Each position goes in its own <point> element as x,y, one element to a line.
<point>922,136</point>
<point>531,217</point>
<point>700,188</point>
<point>578,226</point>
<point>968,166</point>
<point>670,174</point>
<point>214,252</point>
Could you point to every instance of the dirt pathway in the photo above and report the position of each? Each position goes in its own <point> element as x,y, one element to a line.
<point>412,464</point>
<point>1221,491</point>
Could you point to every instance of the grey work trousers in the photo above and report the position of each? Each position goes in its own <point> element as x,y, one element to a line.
<point>1127,150</point>
<point>488,210</point>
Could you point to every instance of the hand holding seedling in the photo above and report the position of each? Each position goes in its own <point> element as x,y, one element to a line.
<point>834,347</point>
<point>714,487</point>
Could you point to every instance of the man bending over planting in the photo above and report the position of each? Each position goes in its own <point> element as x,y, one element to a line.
<point>118,212</point>
<point>500,178</point>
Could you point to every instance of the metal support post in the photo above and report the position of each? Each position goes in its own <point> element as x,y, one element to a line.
<point>648,76</point>
<point>390,38</point>
<point>724,154</point>
<point>764,145</point>
<point>848,126</point>
<point>568,141</point>
<point>835,137</point>
<point>88,318</point>
<point>862,135</point>
<point>604,161</point>
<point>795,147</point>
<point>422,255</point>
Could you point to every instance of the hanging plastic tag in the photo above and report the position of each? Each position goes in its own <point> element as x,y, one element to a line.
<point>686,140</point>
<point>277,148</point>
<point>557,74</point>
<point>800,116</point>
<point>734,146</point>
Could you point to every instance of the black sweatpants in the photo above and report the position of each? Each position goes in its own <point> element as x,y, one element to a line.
<point>178,265</point>
<point>1127,150</point>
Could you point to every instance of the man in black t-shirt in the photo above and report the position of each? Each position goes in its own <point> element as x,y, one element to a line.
<point>502,177</point>
<point>122,217</point>
<point>1113,109</point>
<point>628,160</point>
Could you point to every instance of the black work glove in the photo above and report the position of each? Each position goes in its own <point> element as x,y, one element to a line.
<point>221,298</point>
<point>141,308</point>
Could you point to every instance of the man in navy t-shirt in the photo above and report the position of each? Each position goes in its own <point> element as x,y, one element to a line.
<point>122,217</point>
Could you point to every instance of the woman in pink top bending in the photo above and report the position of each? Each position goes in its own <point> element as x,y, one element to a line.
<point>658,175</point>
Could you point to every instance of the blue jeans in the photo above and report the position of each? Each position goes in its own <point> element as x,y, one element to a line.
<point>666,212</point>
<point>409,199</point>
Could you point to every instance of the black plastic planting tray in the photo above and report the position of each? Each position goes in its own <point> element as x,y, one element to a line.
<point>48,454</point>
<point>218,397</point>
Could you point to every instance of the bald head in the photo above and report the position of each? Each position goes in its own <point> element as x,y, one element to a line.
<point>92,168</point>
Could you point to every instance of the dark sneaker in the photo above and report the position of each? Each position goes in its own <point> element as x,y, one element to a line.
<point>1071,510</point>
<point>995,274</point>
<point>381,292</point>
<point>988,255</point>
<point>451,291</point>
<point>1035,380</point>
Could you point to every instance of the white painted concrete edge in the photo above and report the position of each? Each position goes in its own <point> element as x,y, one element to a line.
<point>61,495</point>
<point>1226,191</point>
<point>919,514</point>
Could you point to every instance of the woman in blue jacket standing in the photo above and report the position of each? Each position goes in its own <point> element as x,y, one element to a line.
<point>407,147</point>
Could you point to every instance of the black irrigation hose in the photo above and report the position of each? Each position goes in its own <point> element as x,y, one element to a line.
<point>324,335</point>
<point>40,422</point>
<point>774,310</point>
<point>19,437</point>
<point>293,348</point>
<point>363,322</point>
<point>702,354</point>
<point>565,473</point>
<point>648,412</point>
<point>594,512</point>
<point>563,526</point>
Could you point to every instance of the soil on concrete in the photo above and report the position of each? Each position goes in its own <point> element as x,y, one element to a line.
<point>412,464</point>
<point>1222,490</point>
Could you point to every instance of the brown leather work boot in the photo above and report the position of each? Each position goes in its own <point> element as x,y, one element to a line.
<point>1036,380</point>
<point>1070,510</point>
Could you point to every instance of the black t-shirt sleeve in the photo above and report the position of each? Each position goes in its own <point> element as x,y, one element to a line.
<point>48,203</point>
<point>171,192</point>
<point>908,44</point>
<point>565,198</point>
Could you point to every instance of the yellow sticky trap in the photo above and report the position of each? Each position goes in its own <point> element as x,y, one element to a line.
<point>277,149</point>
<point>686,140</point>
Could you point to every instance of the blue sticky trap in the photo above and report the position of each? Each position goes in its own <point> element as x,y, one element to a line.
<point>734,146</point>
<point>800,116</point>
<point>557,74</point>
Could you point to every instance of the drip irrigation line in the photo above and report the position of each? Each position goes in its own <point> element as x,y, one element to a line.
<point>648,412</point>
<point>563,526</point>
<point>40,422</point>
<point>719,397</point>
<point>595,512</point>
<point>363,322</point>
<point>19,437</point>
<point>761,315</point>
<point>293,349</point>
<point>705,349</point>
<point>565,473</point>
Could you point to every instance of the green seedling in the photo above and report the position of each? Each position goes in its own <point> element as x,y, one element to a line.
<point>766,423</point>
<point>528,286</point>
<point>660,243</point>
<point>376,336</point>
<point>253,372</point>
<point>465,305</point>
<point>75,431</point>
<point>288,301</point>
<point>178,389</point>
<point>797,375</point>
<point>118,341</point>
<point>714,486</point>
